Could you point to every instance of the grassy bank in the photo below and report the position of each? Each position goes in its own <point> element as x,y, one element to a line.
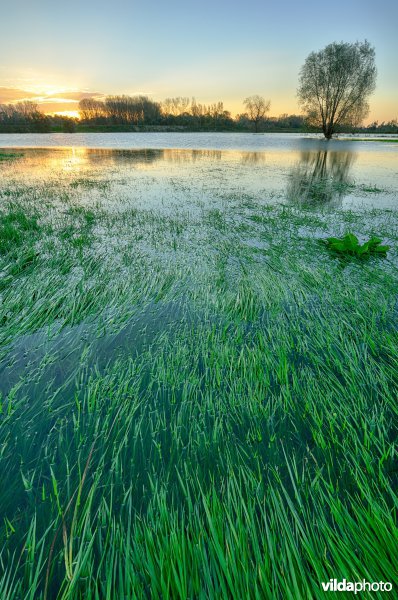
<point>9,155</point>
<point>384,140</point>
<point>197,400</point>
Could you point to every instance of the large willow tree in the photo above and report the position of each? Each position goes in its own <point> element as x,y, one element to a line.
<point>335,84</point>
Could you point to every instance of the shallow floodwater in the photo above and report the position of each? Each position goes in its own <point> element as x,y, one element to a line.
<point>205,140</point>
<point>284,170</point>
<point>174,337</point>
<point>278,167</point>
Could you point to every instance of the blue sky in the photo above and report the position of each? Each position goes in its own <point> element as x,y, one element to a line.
<point>213,50</point>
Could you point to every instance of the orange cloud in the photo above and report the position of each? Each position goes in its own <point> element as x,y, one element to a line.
<point>48,103</point>
<point>10,95</point>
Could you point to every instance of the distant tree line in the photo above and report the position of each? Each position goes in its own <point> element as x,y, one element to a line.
<point>133,113</point>
<point>22,117</point>
<point>129,111</point>
<point>383,127</point>
<point>136,112</point>
<point>25,117</point>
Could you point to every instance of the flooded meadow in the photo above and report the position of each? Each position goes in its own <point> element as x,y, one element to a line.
<point>197,399</point>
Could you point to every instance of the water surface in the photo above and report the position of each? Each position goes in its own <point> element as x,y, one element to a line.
<point>278,167</point>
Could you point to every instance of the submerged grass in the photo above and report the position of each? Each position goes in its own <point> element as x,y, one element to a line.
<point>194,402</point>
<point>9,155</point>
<point>15,228</point>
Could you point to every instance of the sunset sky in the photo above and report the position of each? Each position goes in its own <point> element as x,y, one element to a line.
<point>59,52</point>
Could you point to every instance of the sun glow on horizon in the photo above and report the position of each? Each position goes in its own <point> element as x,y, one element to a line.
<point>74,114</point>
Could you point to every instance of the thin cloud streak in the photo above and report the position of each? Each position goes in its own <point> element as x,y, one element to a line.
<point>62,102</point>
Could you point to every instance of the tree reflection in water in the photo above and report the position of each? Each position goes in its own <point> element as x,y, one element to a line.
<point>253,158</point>
<point>321,177</point>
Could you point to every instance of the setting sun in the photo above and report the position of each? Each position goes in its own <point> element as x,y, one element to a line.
<point>74,114</point>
